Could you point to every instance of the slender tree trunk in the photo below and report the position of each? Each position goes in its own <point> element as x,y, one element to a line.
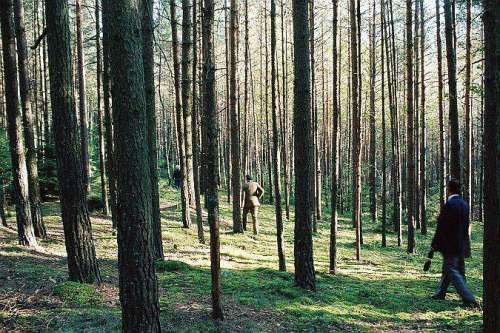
<point>186,53</point>
<point>108,117</point>
<point>149,90</point>
<point>196,134</point>
<point>100,124</point>
<point>82,262</point>
<point>356,131</point>
<point>186,217</point>
<point>305,276</point>
<point>276,153</point>
<point>210,117</point>
<point>491,139</point>
<point>82,95</point>
<point>383,167</point>
<point>235,128</point>
<point>451,58</point>
<point>373,133</point>
<point>423,140</point>
<point>335,146</point>
<point>28,122</point>
<point>410,156</point>
<point>467,101</point>
<point>25,230</point>
<point>2,205</point>
<point>138,283</point>
<point>442,157</point>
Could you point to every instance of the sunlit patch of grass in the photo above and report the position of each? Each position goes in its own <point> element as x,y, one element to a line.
<point>386,291</point>
<point>75,293</point>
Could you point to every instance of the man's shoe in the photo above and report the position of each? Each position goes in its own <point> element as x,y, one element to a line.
<point>438,297</point>
<point>471,305</point>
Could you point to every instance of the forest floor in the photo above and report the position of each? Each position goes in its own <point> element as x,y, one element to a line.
<point>386,292</point>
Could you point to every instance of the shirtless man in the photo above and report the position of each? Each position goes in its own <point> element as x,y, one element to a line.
<point>252,192</point>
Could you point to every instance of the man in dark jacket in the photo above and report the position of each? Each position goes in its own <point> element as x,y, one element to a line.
<point>452,240</point>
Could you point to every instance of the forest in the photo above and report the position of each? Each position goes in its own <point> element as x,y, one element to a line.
<point>250,166</point>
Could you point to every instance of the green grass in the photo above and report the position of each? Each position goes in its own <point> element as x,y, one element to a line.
<point>386,291</point>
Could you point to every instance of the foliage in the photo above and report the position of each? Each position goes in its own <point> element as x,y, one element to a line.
<point>80,294</point>
<point>95,203</point>
<point>47,172</point>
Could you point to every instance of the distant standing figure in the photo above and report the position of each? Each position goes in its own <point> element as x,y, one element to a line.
<point>452,240</point>
<point>252,192</point>
<point>177,176</point>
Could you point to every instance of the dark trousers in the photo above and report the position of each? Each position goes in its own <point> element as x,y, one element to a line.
<point>254,211</point>
<point>454,273</point>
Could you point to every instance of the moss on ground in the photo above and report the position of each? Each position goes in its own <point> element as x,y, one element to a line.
<point>386,291</point>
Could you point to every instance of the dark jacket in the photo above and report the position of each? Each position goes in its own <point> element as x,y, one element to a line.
<point>452,232</point>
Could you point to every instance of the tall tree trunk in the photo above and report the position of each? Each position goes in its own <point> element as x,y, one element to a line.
<point>442,156</point>
<point>210,117</point>
<point>335,146</point>
<point>356,131</point>
<point>28,122</point>
<point>235,128</point>
<point>276,140</point>
<point>82,262</point>
<point>491,139</point>
<point>410,145</point>
<point>186,53</point>
<point>108,117</point>
<point>186,217</point>
<point>100,124</point>
<point>196,134</point>
<point>82,95</point>
<point>284,65</point>
<point>423,140</point>
<point>383,167</point>
<point>149,90</point>
<point>467,101</point>
<point>25,231</point>
<point>138,283</point>
<point>373,133</point>
<point>451,59</point>
<point>305,276</point>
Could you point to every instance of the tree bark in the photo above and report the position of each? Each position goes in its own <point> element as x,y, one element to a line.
<point>491,139</point>
<point>108,116</point>
<point>196,134</point>
<point>186,53</point>
<point>186,216</point>
<point>276,153</point>
<point>28,122</point>
<point>25,230</point>
<point>356,131</point>
<point>423,139</point>
<point>149,89</point>
<point>383,167</point>
<point>138,282</point>
<point>82,95</point>
<point>82,262</point>
<point>467,189</point>
<point>451,59</point>
<point>100,124</point>
<point>373,133</point>
<point>235,128</point>
<point>212,126</point>
<point>442,157</point>
<point>305,276</point>
<point>410,156</point>
<point>335,146</point>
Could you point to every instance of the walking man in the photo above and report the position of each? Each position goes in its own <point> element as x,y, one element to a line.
<point>252,192</point>
<point>452,240</point>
